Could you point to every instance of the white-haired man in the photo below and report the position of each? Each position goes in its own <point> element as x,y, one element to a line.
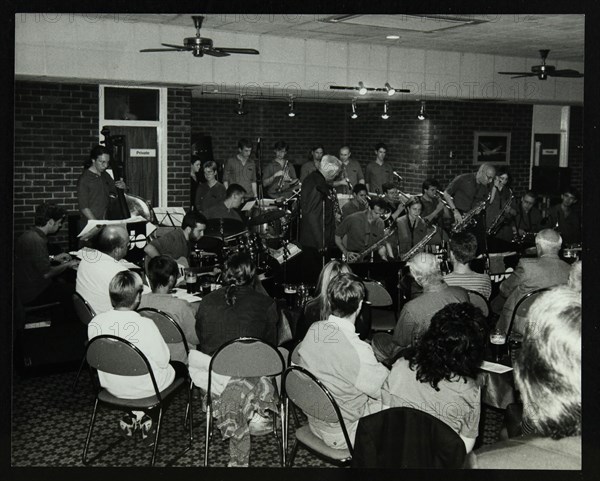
<point>545,270</point>
<point>416,314</point>
<point>548,376</point>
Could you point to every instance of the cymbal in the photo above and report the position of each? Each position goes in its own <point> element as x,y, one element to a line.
<point>266,217</point>
<point>206,254</point>
<point>230,227</point>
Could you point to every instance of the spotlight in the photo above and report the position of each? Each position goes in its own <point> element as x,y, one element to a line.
<point>422,115</point>
<point>240,107</point>
<point>390,91</point>
<point>354,114</point>
<point>291,113</point>
<point>362,90</point>
<point>385,114</point>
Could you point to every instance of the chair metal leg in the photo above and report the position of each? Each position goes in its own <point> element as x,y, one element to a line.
<point>77,377</point>
<point>283,418</point>
<point>89,435</point>
<point>155,449</point>
<point>293,454</point>
<point>191,410</point>
<point>208,432</point>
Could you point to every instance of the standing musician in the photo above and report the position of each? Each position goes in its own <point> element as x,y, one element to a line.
<point>241,169</point>
<point>433,209</point>
<point>466,192</point>
<point>362,230</point>
<point>378,171</point>
<point>316,154</point>
<point>500,240</point>
<point>358,202</point>
<point>279,176</point>
<point>317,225</point>
<point>411,227</point>
<point>351,173</point>
<point>528,219</point>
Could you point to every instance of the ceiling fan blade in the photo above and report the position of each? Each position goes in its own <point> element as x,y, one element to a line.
<point>248,51</point>
<point>214,52</point>
<point>566,73</point>
<point>517,73</point>
<point>179,47</point>
<point>525,75</point>
<point>163,50</point>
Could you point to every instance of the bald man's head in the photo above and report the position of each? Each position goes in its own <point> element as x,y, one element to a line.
<point>548,241</point>
<point>112,240</point>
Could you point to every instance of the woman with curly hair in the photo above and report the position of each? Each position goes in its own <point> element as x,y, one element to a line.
<point>438,374</point>
<point>239,308</point>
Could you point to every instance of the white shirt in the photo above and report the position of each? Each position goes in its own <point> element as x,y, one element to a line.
<point>143,334</point>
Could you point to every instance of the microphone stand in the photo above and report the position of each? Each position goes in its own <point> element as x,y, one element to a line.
<point>259,184</point>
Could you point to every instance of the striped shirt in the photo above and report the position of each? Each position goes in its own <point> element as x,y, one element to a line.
<point>471,281</point>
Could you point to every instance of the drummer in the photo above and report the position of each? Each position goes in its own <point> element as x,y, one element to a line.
<point>229,208</point>
<point>177,243</point>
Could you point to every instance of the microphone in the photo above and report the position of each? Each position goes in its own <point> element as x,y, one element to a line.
<point>397,175</point>
<point>257,152</point>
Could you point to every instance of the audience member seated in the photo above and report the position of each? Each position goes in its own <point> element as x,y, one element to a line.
<point>163,273</point>
<point>346,365</point>
<point>546,270</point>
<point>37,281</point>
<point>575,276</point>
<point>438,374</point>
<point>98,266</point>
<point>176,243</point>
<point>235,310</point>
<point>416,314</point>
<point>463,247</point>
<point>125,290</point>
<point>228,209</point>
<point>548,376</point>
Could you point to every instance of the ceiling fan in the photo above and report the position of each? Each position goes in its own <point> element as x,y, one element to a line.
<point>544,71</point>
<point>201,46</point>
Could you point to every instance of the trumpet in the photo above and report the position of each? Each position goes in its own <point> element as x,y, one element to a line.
<point>284,170</point>
<point>442,198</point>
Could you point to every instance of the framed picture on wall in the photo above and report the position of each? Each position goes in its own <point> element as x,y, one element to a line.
<point>491,147</point>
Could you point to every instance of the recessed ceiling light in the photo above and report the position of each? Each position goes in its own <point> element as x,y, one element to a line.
<point>393,37</point>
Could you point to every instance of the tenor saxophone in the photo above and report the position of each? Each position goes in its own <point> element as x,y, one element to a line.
<point>419,245</point>
<point>492,229</point>
<point>469,217</point>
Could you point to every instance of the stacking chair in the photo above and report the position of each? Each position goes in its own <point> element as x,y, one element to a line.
<point>245,357</point>
<point>383,318</point>
<point>115,355</point>
<point>311,396</point>
<point>171,333</point>
<point>522,306</point>
<point>478,300</point>
<point>404,437</point>
<point>83,309</point>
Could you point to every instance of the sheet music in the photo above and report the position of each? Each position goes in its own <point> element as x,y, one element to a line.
<point>494,367</point>
<point>169,216</point>
<point>91,224</point>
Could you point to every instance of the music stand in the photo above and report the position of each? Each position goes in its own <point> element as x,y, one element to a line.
<point>169,216</point>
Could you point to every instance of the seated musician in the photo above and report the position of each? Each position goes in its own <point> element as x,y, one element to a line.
<point>359,201</point>
<point>565,217</point>
<point>176,243</point>
<point>211,192</point>
<point>528,219</point>
<point>229,208</point>
<point>411,227</point>
<point>434,211</point>
<point>416,314</point>
<point>395,199</point>
<point>362,231</point>
<point>463,247</point>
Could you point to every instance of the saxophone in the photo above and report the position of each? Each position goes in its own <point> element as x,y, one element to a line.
<point>419,245</point>
<point>337,211</point>
<point>469,217</point>
<point>374,246</point>
<point>492,229</point>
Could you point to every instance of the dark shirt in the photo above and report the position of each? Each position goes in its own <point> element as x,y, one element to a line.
<point>31,263</point>
<point>351,207</point>
<point>243,174</point>
<point>504,229</point>
<point>377,175</point>
<point>410,234</point>
<point>569,226</point>
<point>253,315</point>
<point>352,172</point>
<point>93,192</point>
<point>528,221</point>
<point>315,196</point>
<point>359,232</point>
<point>172,244</point>
<point>467,192</point>
<point>193,188</point>
<point>220,211</point>
<point>207,197</point>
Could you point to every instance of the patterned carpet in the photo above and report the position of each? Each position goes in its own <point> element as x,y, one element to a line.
<point>50,422</point>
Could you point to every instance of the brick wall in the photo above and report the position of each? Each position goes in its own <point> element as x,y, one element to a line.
<point>179,107</point>
<point>55,127</point>
<point>416,149</point>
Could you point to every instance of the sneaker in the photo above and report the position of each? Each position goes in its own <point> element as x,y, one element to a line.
<point>148,430</point>
<point>128,425</point>
<point>260,425</point>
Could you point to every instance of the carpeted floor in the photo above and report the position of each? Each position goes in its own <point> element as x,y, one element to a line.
<point>50,422</point>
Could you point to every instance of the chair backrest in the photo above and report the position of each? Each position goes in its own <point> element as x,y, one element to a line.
<point>404,437</point>
<point>310,395</point>
<point>477,299</point>
<point>294,358</point>
<point>168,327</point>
<point>377,295</point>
<point>522,307</point>
<point>84,311</point>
